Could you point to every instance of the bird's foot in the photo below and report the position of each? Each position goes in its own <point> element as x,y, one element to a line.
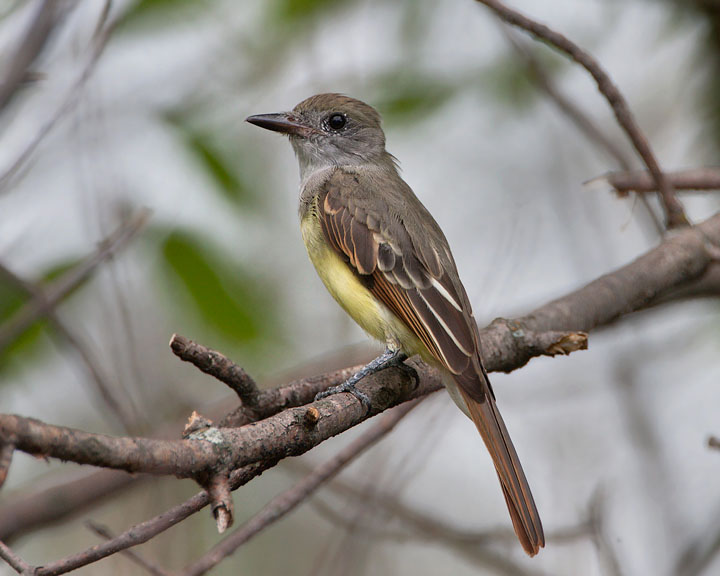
<point>385,360</point>
<point>347,386</point>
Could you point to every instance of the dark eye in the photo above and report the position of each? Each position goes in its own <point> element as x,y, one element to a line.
<point>337,121</point>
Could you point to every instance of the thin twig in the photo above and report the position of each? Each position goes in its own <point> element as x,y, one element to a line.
<point>706,178</point>
<point>577,116</point>
<point>57,290</point>
<point>674,213</point>
<point>49,14</point>
<point>15,562</point>
<point>288,500</point>
<point>150,528</point>
<point>150,567</point>
<point>105,390</point>
<point>99,42</point>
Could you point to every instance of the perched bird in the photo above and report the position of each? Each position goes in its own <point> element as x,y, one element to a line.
<point>386,261</point>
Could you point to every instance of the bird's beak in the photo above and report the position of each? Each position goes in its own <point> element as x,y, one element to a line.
<point>284,122</point>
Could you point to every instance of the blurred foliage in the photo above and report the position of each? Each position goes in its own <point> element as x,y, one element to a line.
<point>220,296</point>
<point>508,79</point>
<point>12,299</point>
<point>294,11</point>
<point>158,12</point>
<point>403,97</point>
<point>218,158</point>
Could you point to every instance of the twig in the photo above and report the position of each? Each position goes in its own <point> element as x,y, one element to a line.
<point>506,345</point>
<point>674,213</point>
<point>22,513</point>
<point>577,116</point>
<point>55,292</point>
<point>104,389</point>
<point>288,500</point>
<point>216,365</point>
<point>707,178</point>
<point>105,533</point>
<point>48,15</point>
<point>15,562</point>
<point>100,40</point>
<point>672,265</point>
<point>150,528</point>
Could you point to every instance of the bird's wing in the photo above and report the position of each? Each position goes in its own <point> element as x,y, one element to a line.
<point>381,250</point>
<point>412,278</point>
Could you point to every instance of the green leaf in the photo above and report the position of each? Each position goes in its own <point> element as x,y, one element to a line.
<point>215,289</point>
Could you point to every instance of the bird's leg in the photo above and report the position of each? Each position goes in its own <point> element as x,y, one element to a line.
<point>385,360</point>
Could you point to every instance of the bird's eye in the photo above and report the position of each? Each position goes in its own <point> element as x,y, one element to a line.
<point>337,121</point>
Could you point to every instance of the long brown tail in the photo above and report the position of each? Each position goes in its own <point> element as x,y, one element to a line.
<point>520,503</point>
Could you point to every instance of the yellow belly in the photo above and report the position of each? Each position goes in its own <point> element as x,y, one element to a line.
<point>349,292</point>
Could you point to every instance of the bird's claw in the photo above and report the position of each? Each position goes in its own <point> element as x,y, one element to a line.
<point>349,387</point>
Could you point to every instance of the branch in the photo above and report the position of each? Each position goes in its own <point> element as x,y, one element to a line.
<point>674,213</point>
<point>105,533</point>
<point>677,261</point>
<point>14,561</point>
<point>290,499</point>
<point>707,178</point>
<point>48,15</point>
<point>55,292</point>
<point>146,530</point>
<point>104,389</point>
<point>507,345</point>
<point>99,42</point>
<point>216,365</point>
<point>24,513</point>
<point>582,121</point>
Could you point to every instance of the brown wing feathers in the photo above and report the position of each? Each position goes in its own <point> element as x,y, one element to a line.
<point>426,300</point>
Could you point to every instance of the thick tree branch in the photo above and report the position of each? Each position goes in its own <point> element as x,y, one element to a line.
<point>677,262</point>
<point>507,345</point>
<point>290,499</point>
<point>674,212</point>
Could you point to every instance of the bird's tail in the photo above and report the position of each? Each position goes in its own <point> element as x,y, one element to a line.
<point>520,503</point>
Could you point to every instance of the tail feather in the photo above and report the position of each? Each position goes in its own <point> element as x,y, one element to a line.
<point>519,499</point>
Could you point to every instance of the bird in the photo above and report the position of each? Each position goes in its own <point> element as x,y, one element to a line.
<point>386,261</point>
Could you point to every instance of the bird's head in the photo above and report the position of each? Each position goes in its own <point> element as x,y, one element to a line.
<point>329,129</point>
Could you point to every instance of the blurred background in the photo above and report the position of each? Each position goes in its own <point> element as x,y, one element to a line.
<point>141,105</point>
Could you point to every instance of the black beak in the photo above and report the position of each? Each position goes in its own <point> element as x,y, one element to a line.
<point>283,122</point>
